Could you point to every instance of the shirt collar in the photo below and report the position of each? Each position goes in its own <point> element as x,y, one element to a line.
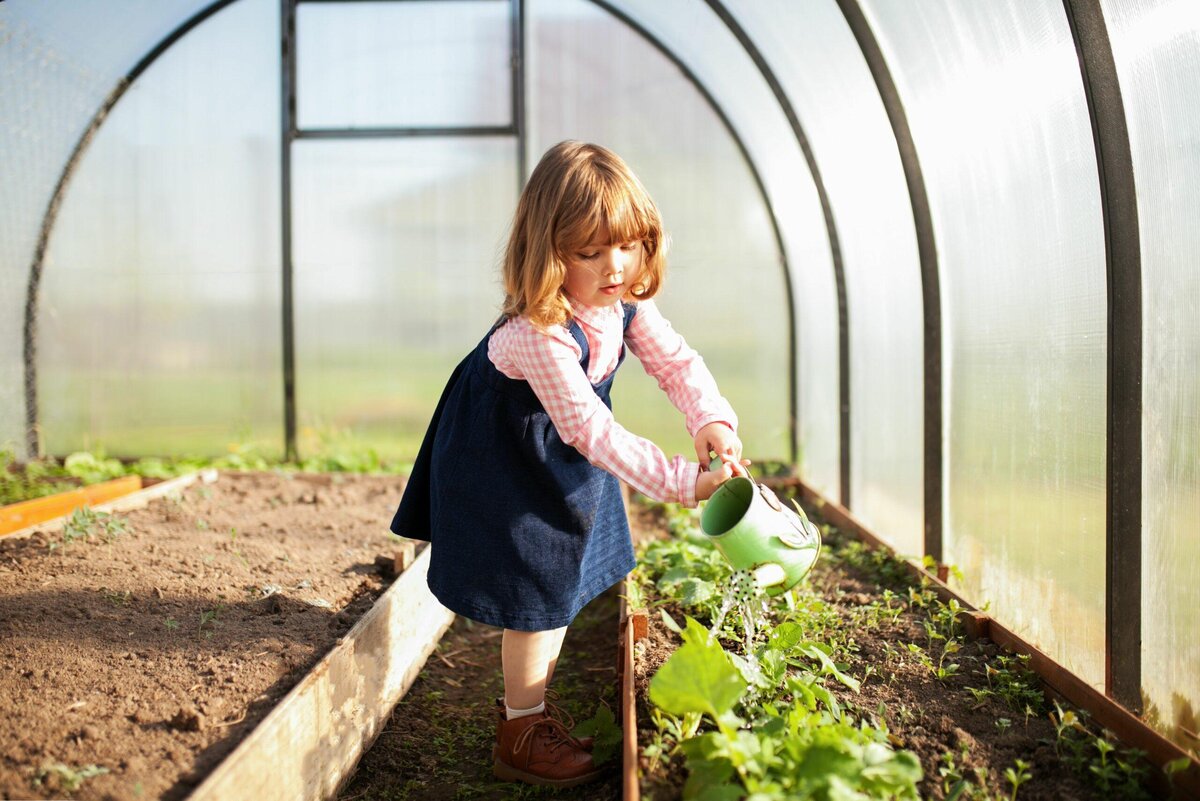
<point>598,318</point>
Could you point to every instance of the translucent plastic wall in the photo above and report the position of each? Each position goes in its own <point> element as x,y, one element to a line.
<point>725,289</point>
<point>55,71</point>
<point>1157,49</point>
<point>396,246</point>
<point>995,99</point>
<point>820,67</point>
<point>712,53</point>
<point>396,239</point>
<point>159,327</point>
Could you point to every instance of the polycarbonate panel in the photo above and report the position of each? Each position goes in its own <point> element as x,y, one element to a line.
<point>160,329</point>
<point>397,248</point>
<point>403,64</point>
<point>725,290</point>
<point>58,61</point>
<point>694,33</point>
<point>996,103</point>
<point>1157,49</point>
<point>821,69</point>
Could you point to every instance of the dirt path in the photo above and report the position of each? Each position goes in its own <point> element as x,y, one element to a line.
<point>438,744</point>
<point>150,652</point>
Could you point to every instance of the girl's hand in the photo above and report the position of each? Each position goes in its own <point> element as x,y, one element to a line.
<point>708,481</point>
<point>720,439</point>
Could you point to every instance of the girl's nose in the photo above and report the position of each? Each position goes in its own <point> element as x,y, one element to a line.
<point>615,263</point>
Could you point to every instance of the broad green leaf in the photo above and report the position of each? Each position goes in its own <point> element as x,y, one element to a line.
<point>669,621</point>
<point>694,591</point>
<point>717,792</point>
<point>694,632</point>
<point>785,636</point>
<point>698,677</point>
<point>673,576</point>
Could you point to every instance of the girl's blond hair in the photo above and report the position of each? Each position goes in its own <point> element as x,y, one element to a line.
<point>576,190</point>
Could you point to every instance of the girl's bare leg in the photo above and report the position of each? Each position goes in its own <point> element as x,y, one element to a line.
<point>529,658</point>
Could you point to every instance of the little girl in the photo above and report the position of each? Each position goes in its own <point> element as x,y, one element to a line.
<point>516,482</point>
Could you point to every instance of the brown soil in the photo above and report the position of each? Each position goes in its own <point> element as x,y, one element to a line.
<point>926,716</point>
<point>154,652</point>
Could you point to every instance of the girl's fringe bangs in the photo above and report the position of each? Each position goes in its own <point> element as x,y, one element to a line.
<point>621,208</point>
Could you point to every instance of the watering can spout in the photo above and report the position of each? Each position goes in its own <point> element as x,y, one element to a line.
<point>769,575</point>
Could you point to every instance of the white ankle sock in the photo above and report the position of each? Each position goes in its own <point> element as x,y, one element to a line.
<point>513,714</point>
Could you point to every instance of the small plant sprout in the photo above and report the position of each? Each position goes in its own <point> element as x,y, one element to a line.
<point>237,551</point>
<point>117,598</point>
<point>171,623</point>
<point>209,617</point>
<point>1016,776</point>
<point>84,523</point>
<point>69,779</point>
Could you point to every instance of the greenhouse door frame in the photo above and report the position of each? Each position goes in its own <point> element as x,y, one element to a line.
<point>290,133</point>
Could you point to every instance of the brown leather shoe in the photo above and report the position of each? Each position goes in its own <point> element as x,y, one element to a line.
<point>558,713</point>
<point>538,749</point>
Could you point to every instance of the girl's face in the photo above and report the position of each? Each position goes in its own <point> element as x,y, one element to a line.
<point>601,272</point>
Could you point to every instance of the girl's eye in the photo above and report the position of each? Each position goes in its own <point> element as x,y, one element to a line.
<point>628,246</point>
<point>589,256</point>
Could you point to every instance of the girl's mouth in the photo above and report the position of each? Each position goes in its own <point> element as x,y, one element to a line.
<point>612,290</point>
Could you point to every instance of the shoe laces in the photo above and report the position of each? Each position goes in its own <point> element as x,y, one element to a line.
<point>557,712</point>
<point>558,734</point>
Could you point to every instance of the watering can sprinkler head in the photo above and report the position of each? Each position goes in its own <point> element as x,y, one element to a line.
<point>757,533</point>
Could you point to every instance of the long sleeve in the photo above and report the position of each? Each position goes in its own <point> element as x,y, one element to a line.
<point>679,369</point>
<point>549,361</point>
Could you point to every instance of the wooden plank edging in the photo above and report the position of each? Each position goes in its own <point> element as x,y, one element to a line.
<point>633,627</point>
<point>308,745</point>
<point>35,511</point>
<point>1131,729</point>
<point>134,500</point>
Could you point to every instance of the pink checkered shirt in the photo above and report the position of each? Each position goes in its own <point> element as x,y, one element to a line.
<point>549,361</point>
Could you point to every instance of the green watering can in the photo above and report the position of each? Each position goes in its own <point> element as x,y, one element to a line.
<point>759,534</point>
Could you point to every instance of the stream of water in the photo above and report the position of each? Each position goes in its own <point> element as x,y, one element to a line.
<point>743,592</point>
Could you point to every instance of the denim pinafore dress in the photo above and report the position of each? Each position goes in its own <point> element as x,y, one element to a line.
<point>524,530</point>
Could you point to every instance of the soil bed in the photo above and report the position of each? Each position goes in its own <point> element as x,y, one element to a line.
<point>151,652</point>
<point>936,719</point>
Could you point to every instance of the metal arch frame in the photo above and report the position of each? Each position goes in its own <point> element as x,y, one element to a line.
<point>634,25</point>
<point>1123,443</point>
<point>930,281</point>
<point>290,133</point>
<point>33,443</point>
<point>835,245</point>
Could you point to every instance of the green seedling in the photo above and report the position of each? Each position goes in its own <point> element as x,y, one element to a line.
<point>1017,776</point>
<point>171,623</point>
<point>210,618</point>
<point>84,523</point>
<point>118,598</point>
<point>69,779</point>
<point>236,551</point>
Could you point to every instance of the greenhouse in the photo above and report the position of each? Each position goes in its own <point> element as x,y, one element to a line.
<point>935,254</point>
